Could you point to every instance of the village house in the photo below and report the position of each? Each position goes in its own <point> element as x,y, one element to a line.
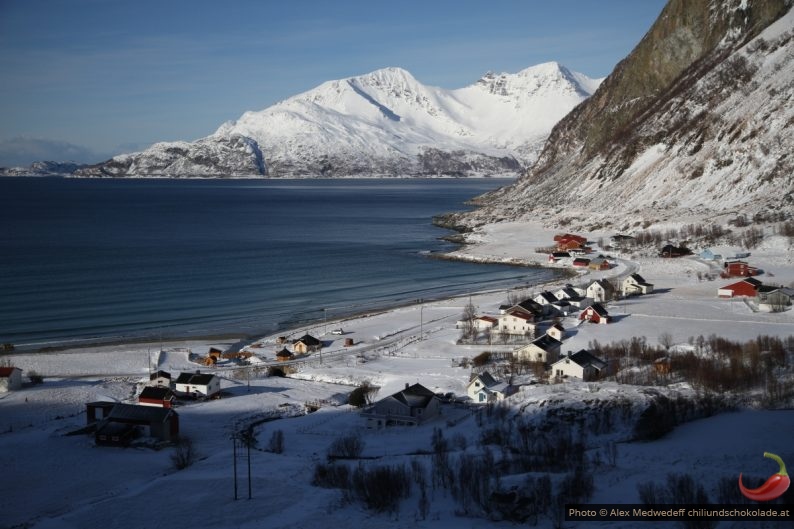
<point>412,406</point>
<point>569,241</point>
<point>544,349</point>
<point>635,284</point>
<point>573,295</point>
<point>160,379</point>
<point>581,262</point>
<point>517,323</point>
<point>599,263</point>
<point>582,364</point>
<point>160,397</point>
<point>124,422</point>
<point>601,290</point>
<point>528,306</point>
<point>674,251</point>
<point>306,344</point>
<point>197,385</point>
<point>595,313</point>
<point>484,388</point>
<point>480,323</point>
<point>556,257</point>
<point>10,379</point>
<point>747,287</point>
<point>708,255</point>
<point>556,331</point>
<point>284,355</point>
<point>563,307</point>
<point>739,269</point>
<point>774,299</point>
<point>622,241</point>
<point>546,300</point>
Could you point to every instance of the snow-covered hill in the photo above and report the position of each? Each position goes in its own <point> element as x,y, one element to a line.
<point>697,120</point>
<point>385,123</point>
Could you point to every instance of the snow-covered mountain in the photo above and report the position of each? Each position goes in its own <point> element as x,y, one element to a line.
<point>697,121</point>
<point>385,123</point>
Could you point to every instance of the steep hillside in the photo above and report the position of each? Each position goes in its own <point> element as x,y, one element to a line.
<point>698,120</point>
<point>385,123</point>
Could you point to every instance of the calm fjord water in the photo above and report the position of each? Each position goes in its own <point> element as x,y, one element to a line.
<point>118,259</point>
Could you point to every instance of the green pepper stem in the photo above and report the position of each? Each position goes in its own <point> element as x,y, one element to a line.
<point>782,471</point>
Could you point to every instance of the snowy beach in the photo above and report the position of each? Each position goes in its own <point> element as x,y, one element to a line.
<point>406,345</point>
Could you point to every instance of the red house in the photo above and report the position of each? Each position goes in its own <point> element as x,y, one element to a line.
<point>569,241</point>
<point>747,287</point>
<point>595,313</point>
<point>160,397</point>
<point>739,269</point>
<point>581,261</point>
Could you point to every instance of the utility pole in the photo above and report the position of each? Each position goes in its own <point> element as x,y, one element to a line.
<point>234,452</point>
<point>421,319</point>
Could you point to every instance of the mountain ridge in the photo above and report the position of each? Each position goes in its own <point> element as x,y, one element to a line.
<point>383,123</point>
<point>697,119</point>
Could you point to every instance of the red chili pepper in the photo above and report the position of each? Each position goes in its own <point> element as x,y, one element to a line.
<point>774,487</point>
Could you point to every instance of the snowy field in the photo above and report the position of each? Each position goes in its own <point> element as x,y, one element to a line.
<point>59,481</point>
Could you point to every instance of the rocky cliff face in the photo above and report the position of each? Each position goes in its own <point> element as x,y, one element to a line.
<point>698,119</point>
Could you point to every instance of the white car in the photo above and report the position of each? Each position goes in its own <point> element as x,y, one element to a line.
<point>338,332</point>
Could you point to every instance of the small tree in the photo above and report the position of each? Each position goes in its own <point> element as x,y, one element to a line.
<point>276,443</point>
<point>362,395</point>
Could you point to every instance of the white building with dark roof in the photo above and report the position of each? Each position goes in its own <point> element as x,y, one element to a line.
<point>582,364</point>
<point>412,406</point>
<point>197,385</point>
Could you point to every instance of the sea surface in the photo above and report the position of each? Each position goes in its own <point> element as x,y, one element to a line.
<point>84,260</point>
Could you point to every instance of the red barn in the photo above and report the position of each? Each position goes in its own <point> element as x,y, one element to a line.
<point>580,261</point>
<point>748,287</point>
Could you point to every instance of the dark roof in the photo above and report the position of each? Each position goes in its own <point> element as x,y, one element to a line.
<point>6,371</point>
<point>560,254</point>
<point>606,285</point>
<point>416,396</point>
<point>138,414</point>
<point>199,379</point>
<point>585,358</point>
<point>153,393</point>
<point>307,339</point>
<point>753,281</point>
<point>767,288</point>
<point>546,342</point>
<point>548,296</point>
<point>599,309</point>
<point>529,305</point>
<point>284,353</point>
<point>486,379</point>
<point>158,374</point>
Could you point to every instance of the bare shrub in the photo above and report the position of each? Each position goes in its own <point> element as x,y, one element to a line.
<point>184,454</point>
<point>381,488</point>
<point>346,447</point>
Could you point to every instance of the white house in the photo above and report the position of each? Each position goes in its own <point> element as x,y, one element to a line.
<point>544,349</point>
<point>569,292</point>
<point>484,388</point>
<point>601,290</point>
<point>410,407</point>
<point>556,331</point>
<point>484,323</point>
<point>635,284</point>
<point>160,379</point>
<point>197,385</point>
<point>517,323</point>
<point>10,379</point>
<point>581,365</point>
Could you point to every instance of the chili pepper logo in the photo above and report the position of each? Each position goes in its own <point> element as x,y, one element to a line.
<point>774,487</point>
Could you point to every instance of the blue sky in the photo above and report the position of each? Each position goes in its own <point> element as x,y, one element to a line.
<point>98,77</point>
